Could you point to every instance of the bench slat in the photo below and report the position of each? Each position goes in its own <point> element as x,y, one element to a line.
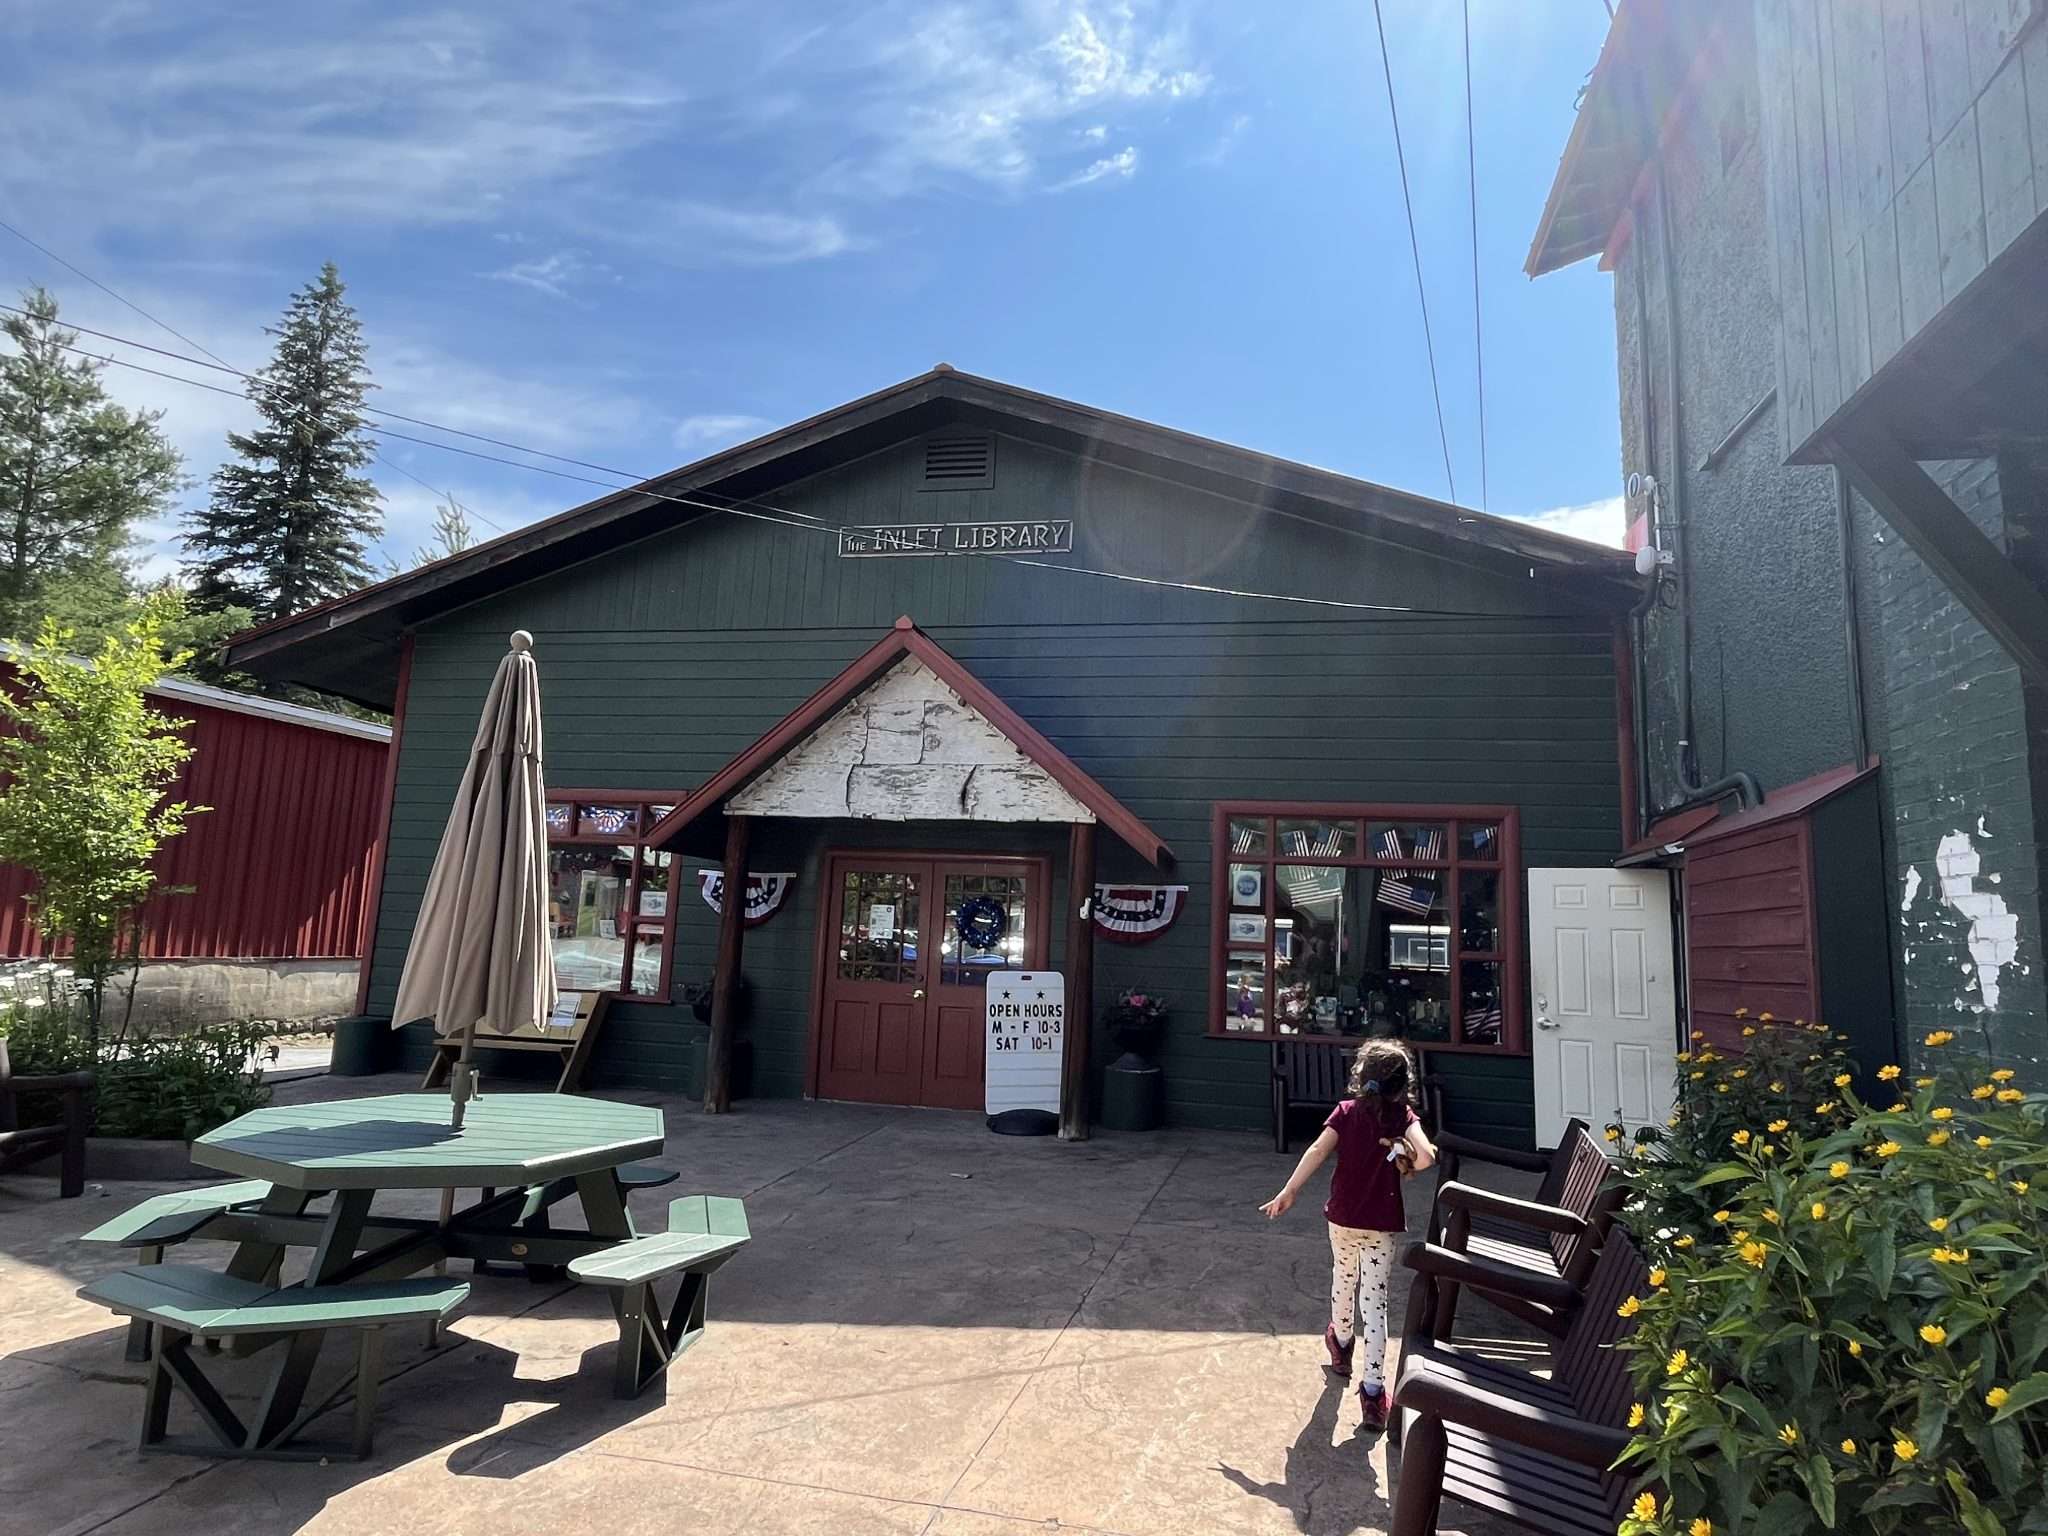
<point>209,1304</point>
<point>651,1257</point>
<point>168,1218</point>
<point>716,1215</point>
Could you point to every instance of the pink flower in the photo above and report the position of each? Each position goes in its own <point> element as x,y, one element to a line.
<point>1137,999</point>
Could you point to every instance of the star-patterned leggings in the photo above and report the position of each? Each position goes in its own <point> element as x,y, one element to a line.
<point>1361,1263</point>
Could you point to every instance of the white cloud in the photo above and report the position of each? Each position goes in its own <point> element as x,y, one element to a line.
<point>1597,522</point>
<point>553,275</point>
<point>699,435</point>
<point>1121,166</point>
<point>1226,141</point>
<point>1095,133</point>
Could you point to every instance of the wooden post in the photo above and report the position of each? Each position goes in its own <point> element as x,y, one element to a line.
<point>725,977</point>
<point>1080,981</point>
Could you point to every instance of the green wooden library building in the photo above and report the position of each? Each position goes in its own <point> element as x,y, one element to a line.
<point>959,677</point>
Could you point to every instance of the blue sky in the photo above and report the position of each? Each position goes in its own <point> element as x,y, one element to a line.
<point>634,233</point>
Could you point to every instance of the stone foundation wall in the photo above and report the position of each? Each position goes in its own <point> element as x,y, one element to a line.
<point>177,992</point>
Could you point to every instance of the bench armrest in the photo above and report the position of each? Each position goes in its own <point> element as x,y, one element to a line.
<point>1452,1147</point>
<point>1475,1201</point>
<point>55,1082</point>
<point>1525,1424</point>
<point>1485,1275</point>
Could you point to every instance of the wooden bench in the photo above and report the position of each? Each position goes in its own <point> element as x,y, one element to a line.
<point>21,1145</point>
<point>1535,1449</point>
<point>183,1303</point>
<point>1315,1073</point>
<point>703,1232</point>
<point>1553,1163</point>
<point>162,1221</point>
<point>569,1034</point>
<point>1549,1249</point>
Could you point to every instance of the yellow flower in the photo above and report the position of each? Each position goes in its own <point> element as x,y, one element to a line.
<point>1838,1169</point>
<point>1996,1397</point>
<point>1753,1254</point>
<point>2019,1186</point>
<point>1777,1087</point>
<point>1646,1506</point>
<point>1672,1122</point>
<point>1771,1215</point>
<point>1740,1072</point>
<point>1685,1055</point>
<point>1658,1277</point>
<point>1612,1133</point>
<point>2003,1075</point>
<point>1950,1255</point>
<point>1943,1113</point>
<point>1749,1029</point>
<point>1699,1034</point>
<point>1898,1108</point>
<point>1855,1348</point>
<point>2010,1095</point>
<point>1982,1091</point>
<point>1777,1127</point>
<point>1765,1017</point>
<point>1740,1237</point>
<point>1848,1447</point>
<point>1700,1527</point>
<point>1937,1138</point>
<point>1941,1037</point>
<point>1683,1242</point>
<point>1827,1108</point>
<point>1934,1333</point>
<point>1696,1076</point>
<point>1904,1449</point>
<point>1789,1434</point>
<point>1887,1149</point>
<point>1723,1217</point>
<point>1841,1079</point>
<point>1740,1138</point>
<point>1983,1141</point>
<point>1886,1074</point>
<point>1720,1087</point>
<point>1742,1013</point>
<point>1635,1416</point>
<point>1819,1210</point>
<point>1629,1307</point>
<point>1923,1082</point>
<point>1678,1362</point>
<point>1939,1224</point>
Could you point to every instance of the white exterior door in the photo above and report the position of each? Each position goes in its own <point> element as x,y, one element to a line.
<point>1605,1044</point>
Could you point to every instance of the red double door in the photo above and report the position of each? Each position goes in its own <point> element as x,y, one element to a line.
<point>908,944</point>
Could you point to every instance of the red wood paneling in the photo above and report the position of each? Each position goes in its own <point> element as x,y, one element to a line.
<point>1750,929</point>
<point>278,868</point>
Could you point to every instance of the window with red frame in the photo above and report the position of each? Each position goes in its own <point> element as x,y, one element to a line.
<point>611,898</point>
<point>1351,921</point>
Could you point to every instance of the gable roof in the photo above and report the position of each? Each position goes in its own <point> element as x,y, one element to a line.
<point>907,640</point>
<point>349,645</point>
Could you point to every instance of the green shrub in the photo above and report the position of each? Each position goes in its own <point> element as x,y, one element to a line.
<point>1847,1322</point>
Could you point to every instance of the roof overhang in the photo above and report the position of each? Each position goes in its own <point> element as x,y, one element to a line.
<point>905,640</point>
<point>349,646</point>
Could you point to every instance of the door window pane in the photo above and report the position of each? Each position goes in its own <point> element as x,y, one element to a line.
<point>1315,838</point>
<point>586,897</point>
<point>1479,909</point>
<point>1479,983</point>
<point>1406,840</point>
<point>991,937</point>
<point>878,927</point>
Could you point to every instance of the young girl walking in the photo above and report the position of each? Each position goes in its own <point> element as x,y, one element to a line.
<point>1378,1141</point>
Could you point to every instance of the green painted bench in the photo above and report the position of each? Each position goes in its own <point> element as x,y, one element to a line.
<point>164,1220</point>
<point>183,1303</point>
<point>703,1232</point>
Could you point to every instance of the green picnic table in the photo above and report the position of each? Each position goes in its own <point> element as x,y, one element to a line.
<point>537,1148</point>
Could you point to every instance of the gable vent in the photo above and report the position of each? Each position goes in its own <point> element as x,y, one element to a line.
<point>959,463</point>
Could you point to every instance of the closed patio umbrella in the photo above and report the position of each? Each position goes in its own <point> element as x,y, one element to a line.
<point>481,956</point>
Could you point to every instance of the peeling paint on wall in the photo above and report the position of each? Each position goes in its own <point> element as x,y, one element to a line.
<point>1912,888</point>
<point>1994,929</point>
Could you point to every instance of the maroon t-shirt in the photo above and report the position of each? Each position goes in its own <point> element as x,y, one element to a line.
<point>1365,1191</point>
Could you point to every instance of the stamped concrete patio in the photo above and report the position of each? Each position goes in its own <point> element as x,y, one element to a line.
<point>935,1330</point>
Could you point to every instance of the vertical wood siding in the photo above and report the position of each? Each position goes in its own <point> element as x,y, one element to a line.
<point>278,869</point>
<point>1907,148</point>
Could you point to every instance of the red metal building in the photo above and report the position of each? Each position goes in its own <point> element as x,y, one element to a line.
<point>281,865</point>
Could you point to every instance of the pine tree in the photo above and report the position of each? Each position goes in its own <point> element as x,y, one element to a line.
<point>453,533</point>
<point>291,525</point>
<point>76,474</point>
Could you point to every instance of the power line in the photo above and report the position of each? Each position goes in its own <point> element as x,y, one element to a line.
<point>1472,185</point>
<point>1415,249</point>
<point>785,518</point>
<point>218,361</point>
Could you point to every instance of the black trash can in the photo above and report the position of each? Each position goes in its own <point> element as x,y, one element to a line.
<point>362,1047</point>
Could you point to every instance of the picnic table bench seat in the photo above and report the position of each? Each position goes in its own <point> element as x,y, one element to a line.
<point>703,1232</point>
<point>164,1220</point>
<point>1534,1448</point>
<point>184,1303</point>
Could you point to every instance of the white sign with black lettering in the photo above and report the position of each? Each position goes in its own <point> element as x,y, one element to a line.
<point>1026,1040</point>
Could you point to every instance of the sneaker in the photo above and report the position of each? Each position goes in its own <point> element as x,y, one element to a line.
<point>1340,1354</point>
<point>1373,1402</point>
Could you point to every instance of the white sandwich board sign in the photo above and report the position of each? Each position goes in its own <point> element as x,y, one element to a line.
<point>1026,1040</point>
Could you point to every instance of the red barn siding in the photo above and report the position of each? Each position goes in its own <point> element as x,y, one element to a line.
<point>279,868</point>
<point>1750,930</point>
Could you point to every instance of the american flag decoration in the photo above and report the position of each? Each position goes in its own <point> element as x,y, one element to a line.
<point>1409,890</point>
<point>1297,844</point>
<point>1482,1025</point>
<point>765,894</point>
<point>1137,914</point>
<point>1242,838</point>
<point>1483,842</point>
<point>608,820</point>
<point>558,820</point>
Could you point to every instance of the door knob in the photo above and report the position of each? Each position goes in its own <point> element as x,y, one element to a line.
<point>1545,1023</point>
<point>917,994</point>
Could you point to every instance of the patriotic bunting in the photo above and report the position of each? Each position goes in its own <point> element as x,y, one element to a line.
<point>765,894</point>
<point>1137,914</point>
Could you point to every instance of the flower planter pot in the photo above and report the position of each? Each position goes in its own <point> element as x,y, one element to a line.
<point>121,1158</point>
<point>362,1047</point>
<point>1133,1098</point>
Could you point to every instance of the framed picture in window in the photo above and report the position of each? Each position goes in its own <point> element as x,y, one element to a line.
<point>1246,928</point>
<point>1247,887</point>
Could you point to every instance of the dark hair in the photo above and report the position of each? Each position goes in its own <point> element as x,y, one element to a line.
<point>1381,1070</point>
